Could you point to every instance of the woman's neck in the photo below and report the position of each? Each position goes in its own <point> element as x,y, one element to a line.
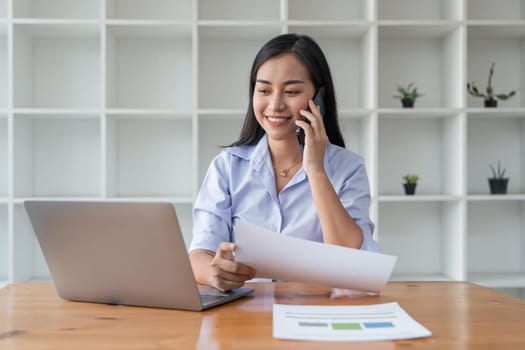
<point>284,151</point>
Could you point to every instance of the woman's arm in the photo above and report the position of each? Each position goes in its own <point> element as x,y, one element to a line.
<point>338,226</point>
<point>211,253</point>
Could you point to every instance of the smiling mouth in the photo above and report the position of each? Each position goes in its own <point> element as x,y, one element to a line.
<point>278,119</point>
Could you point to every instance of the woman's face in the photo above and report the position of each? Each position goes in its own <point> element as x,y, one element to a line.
<point>282,88</point>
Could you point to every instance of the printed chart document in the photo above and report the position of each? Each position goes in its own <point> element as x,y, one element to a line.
<point>297,260</point>
<point>345,323</point>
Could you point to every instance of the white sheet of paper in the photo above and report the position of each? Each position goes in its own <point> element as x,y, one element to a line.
<point>297,260</point>
<point>345,323</point>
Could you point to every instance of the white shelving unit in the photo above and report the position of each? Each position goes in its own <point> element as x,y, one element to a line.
<point>131,99</point>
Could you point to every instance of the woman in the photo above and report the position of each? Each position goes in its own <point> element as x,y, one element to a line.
<point>318,191</point>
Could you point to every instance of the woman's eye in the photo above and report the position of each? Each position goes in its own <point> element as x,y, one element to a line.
<point>292,92</point>
<point>263,91</point>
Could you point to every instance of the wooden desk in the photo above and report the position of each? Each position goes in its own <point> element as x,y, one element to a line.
<point>460,315</point>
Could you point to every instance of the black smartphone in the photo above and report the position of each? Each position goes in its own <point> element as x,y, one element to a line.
<point>318,100</point>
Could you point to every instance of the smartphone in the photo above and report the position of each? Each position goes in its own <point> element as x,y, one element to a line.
<point>318,100</point>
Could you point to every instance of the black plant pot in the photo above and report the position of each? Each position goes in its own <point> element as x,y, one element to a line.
<point>407,103</point>
<point>410,189</point>
<point>498,186</point>
<point>491,103</point>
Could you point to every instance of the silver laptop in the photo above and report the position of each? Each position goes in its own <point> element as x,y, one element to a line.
<point>120,253</point>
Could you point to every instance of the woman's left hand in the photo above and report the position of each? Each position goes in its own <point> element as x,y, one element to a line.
<point>316,139</point>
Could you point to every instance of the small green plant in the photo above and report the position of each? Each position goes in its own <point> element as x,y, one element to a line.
<point>489,94</point>
<point>411,178</point>
<point>408,92</point>
<point>497,173</point>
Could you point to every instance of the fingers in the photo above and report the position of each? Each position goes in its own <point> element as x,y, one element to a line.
<point>224,259</point>
<point>316,139</point>
<point>315,118</point>
<point>226,250</point>
<point>226,272</point>
<point>232,270</point>
<point>225,286</point>
<point>234,277</point>
<point>318,122</point>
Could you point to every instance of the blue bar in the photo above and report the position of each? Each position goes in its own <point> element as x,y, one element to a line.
<point>378,324</point>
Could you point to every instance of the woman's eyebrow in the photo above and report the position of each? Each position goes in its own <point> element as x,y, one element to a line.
<point>288,82</point>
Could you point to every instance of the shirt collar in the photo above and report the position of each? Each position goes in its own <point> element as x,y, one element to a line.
<point>254,153</point>
<point>259,154</point>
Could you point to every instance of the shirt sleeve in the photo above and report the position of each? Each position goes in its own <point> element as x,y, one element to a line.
<point>355,197</point>
<point>212,221</point>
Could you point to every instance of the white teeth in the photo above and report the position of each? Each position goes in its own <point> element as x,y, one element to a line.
<point>277,120</point>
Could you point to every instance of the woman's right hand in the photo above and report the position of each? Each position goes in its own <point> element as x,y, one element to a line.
<point>226,273</point>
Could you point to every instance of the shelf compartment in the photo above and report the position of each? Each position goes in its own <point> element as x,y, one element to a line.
<point>251,10</point>
<point>439,30</point>
<point>3,68</point>
<point>490,197</point>
<point>174,200</point>
<point>235,47</point>
<point>81,9</point>
<point>29,263</point>
<point>3,9</point>
<point>358,134</point>
<point>419,198</point>
<point>56,156</point>
<point>505,46</point>
<point>498,280</point>
<point>514,292</point>
<point>428,147</point>
<point>495,112</point>
<point>417,113</point>
<point>349,51</point>
<point>185,218</point>
<point>508,10</point>
<point>330,10</point>
<point>21,200</point>
<point>146,9</point>
<point>56,66</point>
<point>422,10</point>
<point>420,277</point>
<point>210,141</point>
<point>149,66</point>
<point>4,244</point>
<point>434,228</point>
<point>490,140</point>
<point>149,156</point>
<point>3,158</point>
<point>496,243</point>
<point>434,48</point>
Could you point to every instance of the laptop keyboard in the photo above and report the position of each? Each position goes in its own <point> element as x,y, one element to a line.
<point>209,294</point>
<point>209,298</point>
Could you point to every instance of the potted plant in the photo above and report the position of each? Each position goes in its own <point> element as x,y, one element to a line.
<point>498,183</point>
<point>410,183</point>
<point>489,95</point>
<point>407,95</point>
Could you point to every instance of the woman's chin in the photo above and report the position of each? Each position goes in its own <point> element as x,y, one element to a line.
<point>274,136</point>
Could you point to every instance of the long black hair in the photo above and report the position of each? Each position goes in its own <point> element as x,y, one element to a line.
<point>311,55</point>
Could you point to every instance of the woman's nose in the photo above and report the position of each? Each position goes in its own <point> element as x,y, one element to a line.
<point>276,102</point>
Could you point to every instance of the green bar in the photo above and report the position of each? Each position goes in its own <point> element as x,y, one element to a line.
<point>346,326</point>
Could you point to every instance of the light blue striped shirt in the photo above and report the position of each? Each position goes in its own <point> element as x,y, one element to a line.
<point>240,185</point>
